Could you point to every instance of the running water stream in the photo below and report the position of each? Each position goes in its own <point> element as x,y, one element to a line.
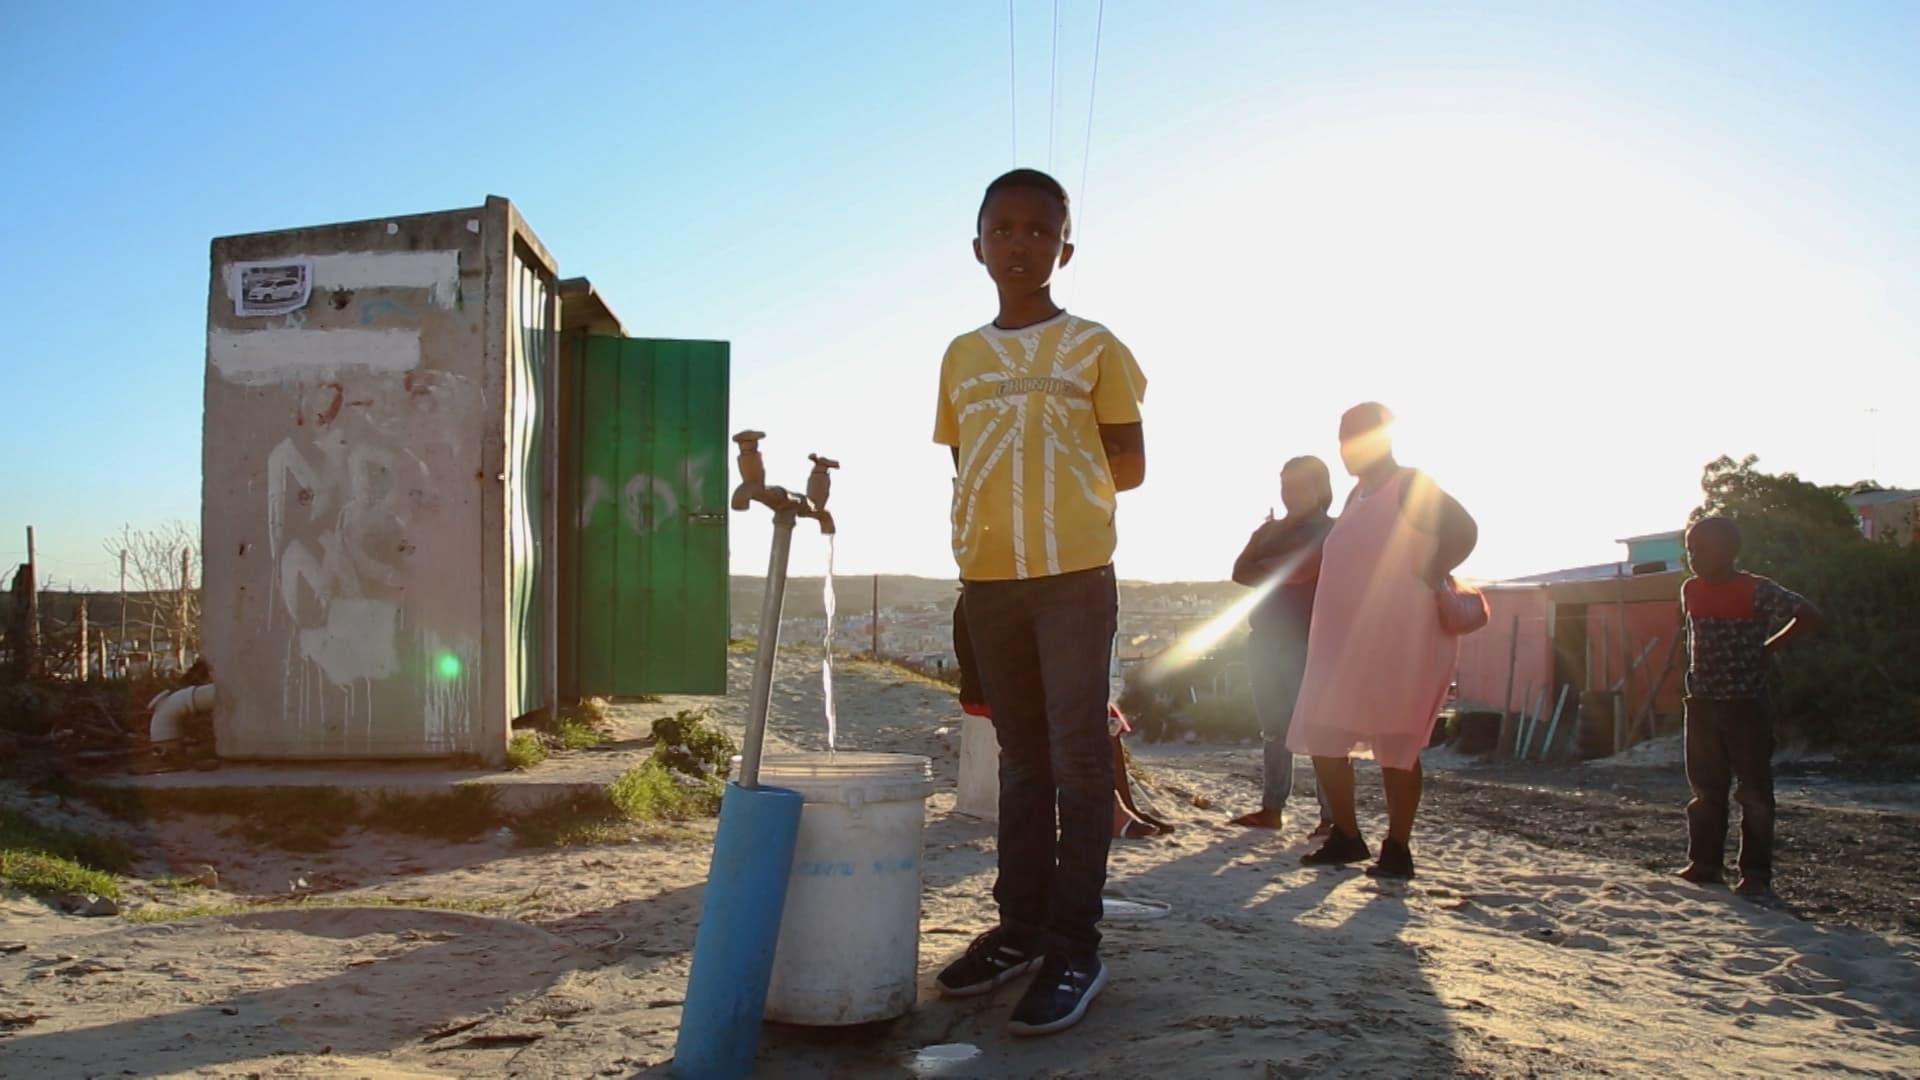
<point>826,664</point>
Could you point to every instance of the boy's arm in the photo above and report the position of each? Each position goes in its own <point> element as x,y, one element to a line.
<point>1254,564</point>
<point>1118,389</point>
<point>1806,619</point>
<point>1126,447</point>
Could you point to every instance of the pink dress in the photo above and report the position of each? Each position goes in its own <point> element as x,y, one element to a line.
<point>1378,662</point>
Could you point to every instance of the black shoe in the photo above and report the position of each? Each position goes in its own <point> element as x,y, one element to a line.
<point>1754,888</point>
<point>1339,850</point>
<point>1396,861</point>
<point>1702,874</point>
<point>1059,995</point>
<point>995,958</point>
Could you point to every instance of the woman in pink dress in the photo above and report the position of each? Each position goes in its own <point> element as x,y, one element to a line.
<point>1378,661</point>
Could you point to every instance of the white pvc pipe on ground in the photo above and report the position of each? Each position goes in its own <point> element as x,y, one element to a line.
<point>174,706</point>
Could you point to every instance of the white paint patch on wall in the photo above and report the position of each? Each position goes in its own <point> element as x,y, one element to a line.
<point>438,272</point>
<point>289,354</point>
<point>357,641</point>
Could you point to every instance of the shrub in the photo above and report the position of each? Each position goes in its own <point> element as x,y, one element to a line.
<point>688,744</point>
<point>525,750</point>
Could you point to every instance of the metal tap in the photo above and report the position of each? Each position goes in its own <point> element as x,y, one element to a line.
<point>753,471</point>
<point>819,486</point>
<point>754,487</point>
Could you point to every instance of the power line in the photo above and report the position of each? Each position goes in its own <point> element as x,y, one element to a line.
<point>1086,150</point>
<point>1013,93</point>
<point>1093,89</point>
<point>1053,83</point>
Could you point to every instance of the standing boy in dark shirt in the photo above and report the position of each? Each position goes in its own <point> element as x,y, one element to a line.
<point>1731,616</point>
<point>1283,557</point>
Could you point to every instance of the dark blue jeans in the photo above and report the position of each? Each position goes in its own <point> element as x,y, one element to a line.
<point>1043,647</point>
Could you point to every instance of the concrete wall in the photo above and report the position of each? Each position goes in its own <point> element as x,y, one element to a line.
<point>353,510</point>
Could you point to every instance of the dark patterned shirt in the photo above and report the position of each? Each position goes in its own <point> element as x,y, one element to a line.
<point>1728,623</point>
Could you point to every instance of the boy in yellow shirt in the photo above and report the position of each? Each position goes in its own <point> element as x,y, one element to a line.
<point>1042,411</point>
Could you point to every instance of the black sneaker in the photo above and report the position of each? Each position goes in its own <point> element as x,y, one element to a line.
<point>1059,995</point>
<point>995,958</point>
<point>1339,850</point>
<point>1396,861</point>
<point>1755,888</point>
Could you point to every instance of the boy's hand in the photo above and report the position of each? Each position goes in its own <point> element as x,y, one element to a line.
<point>1806,620</point>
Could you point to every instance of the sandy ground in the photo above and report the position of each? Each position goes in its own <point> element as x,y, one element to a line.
<point>1525,947</point>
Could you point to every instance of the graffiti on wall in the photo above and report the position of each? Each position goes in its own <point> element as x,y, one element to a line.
<point>648,502</point>
<point>350,498</point>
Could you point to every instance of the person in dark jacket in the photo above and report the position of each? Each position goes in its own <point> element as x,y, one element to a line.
<point>1283,558</point>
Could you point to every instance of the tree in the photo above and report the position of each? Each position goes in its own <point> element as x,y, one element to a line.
<point>1856,683</point>
<point>163,565</point>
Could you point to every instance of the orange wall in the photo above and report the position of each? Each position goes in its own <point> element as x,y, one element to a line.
<point>1648,623</point>
<point>1484,655</point>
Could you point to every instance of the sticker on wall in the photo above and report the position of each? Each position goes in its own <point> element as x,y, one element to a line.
<point>274,287</point>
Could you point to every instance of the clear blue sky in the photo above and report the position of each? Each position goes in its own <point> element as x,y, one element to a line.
<point>1581,248</point>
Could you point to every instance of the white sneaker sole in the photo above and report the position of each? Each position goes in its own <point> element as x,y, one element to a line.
<point>1079,1012</point>
<point>991,985</point>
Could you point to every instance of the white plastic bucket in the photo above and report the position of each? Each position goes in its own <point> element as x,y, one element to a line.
<point>979,793</point>
<point>849,949</point>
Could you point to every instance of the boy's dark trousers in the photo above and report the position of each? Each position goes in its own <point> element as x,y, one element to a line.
<point>1730,744</point>
<point>1043,647</point>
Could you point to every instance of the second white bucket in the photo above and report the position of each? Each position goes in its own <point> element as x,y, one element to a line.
<point>849,949</point>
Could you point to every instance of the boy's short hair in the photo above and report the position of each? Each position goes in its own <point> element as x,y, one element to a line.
<point>1031,180</point>
<point>1718,525</point>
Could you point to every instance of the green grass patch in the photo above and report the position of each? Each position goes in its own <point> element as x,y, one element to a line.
<point>652,792</point>
<point>649,801</point>
<point>45,861</point>
<point>573,734</point>
<point>525,750</point>
<point>463,813</point>
<point>41,874</point>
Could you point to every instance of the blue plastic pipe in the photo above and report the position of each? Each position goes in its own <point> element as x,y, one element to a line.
<point>739,928</point>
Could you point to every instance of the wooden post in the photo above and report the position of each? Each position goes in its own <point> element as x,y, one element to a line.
<point>1619,722</point>
<point>876,616</point>
<point>1508,722</point>
<point>30,661</point>
<point>86,657</point>
<point>1606,660</point>
<point>182,609</point>
<point>121,658</point>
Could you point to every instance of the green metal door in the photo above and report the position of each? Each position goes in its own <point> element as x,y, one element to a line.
<point>645,597</point>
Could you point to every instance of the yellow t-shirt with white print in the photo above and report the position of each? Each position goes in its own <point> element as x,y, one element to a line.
<point>1034,496</point>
